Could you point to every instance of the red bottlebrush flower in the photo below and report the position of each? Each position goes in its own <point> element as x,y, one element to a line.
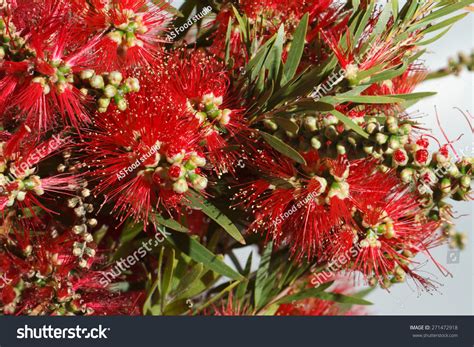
<point>266,17</point>
<point>201,85</point>
<point>20,184</point>
<point>305,210</point>
<point>395,230</point>
<point>232,307</point>
<point>152,161</point>
<point>132,29</point>
<point>53,275</point>
<point>318,307</point>
<point>41,85</point>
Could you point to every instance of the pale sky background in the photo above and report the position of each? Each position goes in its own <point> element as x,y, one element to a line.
<point>454,295</point>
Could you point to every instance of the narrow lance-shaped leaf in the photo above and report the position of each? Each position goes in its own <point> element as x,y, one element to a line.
<point>196,201</point>
<point>283,148</point>
<point>305,294</point>
<point>296,50</point>
<point>350,124</point>
<point>262,275</point>
<point>201,254</point>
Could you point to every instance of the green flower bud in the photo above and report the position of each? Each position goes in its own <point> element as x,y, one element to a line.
<point>133,84</point>
<point>310,123</point>
<point>104,103</point>
<point>110,91</point>
<point>381,138</point>
<point>180,186</point>
<point>115,78</point>
<point>122,104</point>
<point>270,125</point>
<point>331,132</point>
<point>465,181</point>
<point>97,82</point>
<point>86,74</point>
<point>445,185</point>
<point>315,143</point>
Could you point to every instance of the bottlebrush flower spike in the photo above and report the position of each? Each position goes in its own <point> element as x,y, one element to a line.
<point>148,157</point>
<point>53,275</point>
<point>41,83</point>
<point>131,30</point>
<point>20,184</point>
<point>305,210</point>
<point>200,84</point>
<point>318,307</point>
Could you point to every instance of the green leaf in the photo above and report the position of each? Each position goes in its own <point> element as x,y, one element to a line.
<point>168,273</point>
<point>444,11</point>
<point>313,105</point>
<point>296,50</point>
<point>286,124</point>
<point>343,299</point>
<point>362,24</point>
<point>169,223</point>
<point>242,288</point>
<point>201,254</point>
<point>227,41</point>
<point>367,99</point>
<point>304,294</point>
<point>434,38</point>
<point>262,276</point>
<point>130,231</point>
<point>395,9</point>
<point>283,148</point>
<point>242,24</point>
<point>413,96</point>
<point>257,63</point>
<point>382,21</point>
<point>273,62</point>
<point>387,74</point>
<point>444,23</point>
<point>187,280</point>
<point>196,201</point>
<point>350,124</point>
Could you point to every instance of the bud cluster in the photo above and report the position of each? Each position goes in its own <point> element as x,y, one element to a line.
<point>15,184</point>
<point>209,111</point>
<point>11,43</point>
<point>125,35</point>
<point>82,205</point>
<point>183,170</point>
<point>108,86</point>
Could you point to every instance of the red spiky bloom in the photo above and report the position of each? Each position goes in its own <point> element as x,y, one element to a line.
<point>266,18</point>
<point>200,84</point>
<point>37,72</point>
<point>21,185</point>
<point>131,30</point>
<point>230,307</point>
<point>319,307</point>
<point>54,275</point>
<point>148,157</point>
<point>338,208</point>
